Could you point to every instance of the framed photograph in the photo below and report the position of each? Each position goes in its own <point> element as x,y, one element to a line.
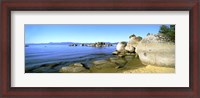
<point>95,48</point>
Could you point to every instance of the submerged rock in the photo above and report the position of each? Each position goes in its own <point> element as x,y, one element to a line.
<point>77,65</point>
<point>42,70</point>
<point>130,54</point>
<point>74,68</point>
<point>104,64</point>
<point>119,61</point>
<point>128,58</point>
<point>156,50</point>
<point>100,62</point>
<point>121,55</point>
<point>115,52</point>
<point>50,65</point>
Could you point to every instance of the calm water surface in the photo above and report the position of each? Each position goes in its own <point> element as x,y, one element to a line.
<point>36,55</point>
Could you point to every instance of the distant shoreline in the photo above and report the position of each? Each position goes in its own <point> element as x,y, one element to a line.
<point>64,43</point>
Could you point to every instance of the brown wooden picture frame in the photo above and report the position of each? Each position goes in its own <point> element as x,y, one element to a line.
<point>193,91</point>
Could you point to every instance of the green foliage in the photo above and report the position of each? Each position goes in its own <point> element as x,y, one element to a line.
<point>168,31</point>
<point>133,35</point>
<point>123,42</point>
<point>139,38</point>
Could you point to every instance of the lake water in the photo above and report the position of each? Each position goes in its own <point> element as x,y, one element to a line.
<point>37,55</point>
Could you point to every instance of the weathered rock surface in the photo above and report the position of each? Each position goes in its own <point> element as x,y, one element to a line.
<point>132,43</point>
<point>156,50</point>
<point>123,49</point>
<point>131,54</point>
<point>51,65</point>
<point>100,62</point>
<point>130,48</point>
<point>121,46</point>
<point>115,52</point>
<point>119,61</point>
<point>104,64</point>
<point>128,58</point>
<point>74,68</point>
<point>77,65</point>
<point>71,69</point>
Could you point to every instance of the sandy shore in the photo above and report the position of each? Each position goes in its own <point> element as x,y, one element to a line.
<point>150,69</point>
<point>135,66</point>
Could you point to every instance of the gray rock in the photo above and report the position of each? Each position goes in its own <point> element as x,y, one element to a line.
<point>128,58</point>
<point>131,54</point>
<point>130,48</point>
<point>77,65</point>
<point>154,50</point>
<point>113,58</point>
<point>50,65</point>
<point>73,69</point>
<point>121,55</point>
<point>104,65</point>
<point>100,62</point>
<point>132,43</point>
<point>121,46</point>
<point>115,52</point>
<point>118,61</point>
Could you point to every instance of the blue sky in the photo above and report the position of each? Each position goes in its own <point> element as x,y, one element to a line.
<point>42,33</point>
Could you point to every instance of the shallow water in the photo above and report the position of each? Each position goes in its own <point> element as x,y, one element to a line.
<point>37,55</point>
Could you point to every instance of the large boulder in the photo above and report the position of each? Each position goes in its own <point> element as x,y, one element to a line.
<point>130,48</point>
<point>132,43</point>
<point>156,50</point>
<point>121,46</point>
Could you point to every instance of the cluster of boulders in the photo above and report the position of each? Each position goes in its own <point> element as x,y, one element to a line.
<point>97,44</point>
<point>154,49</point>
<point>73,45</point>
<point>123,48</point>
<point>125,53</point>
<point>100,44</point>
<point>112,64</point>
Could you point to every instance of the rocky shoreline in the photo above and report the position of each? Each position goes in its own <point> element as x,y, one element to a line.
<point>153,54</point>
<point>114,64</point>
